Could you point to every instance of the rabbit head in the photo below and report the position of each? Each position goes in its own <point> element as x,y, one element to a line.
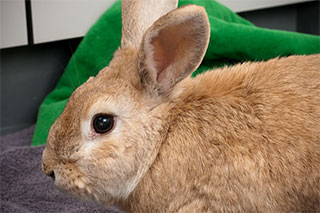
<point>113,125</point>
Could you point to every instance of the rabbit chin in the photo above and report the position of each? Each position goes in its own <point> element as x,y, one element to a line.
<point>80,189</point>
<point>105,190</point>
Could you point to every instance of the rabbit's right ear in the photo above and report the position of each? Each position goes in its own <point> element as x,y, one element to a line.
<point>172,48</point>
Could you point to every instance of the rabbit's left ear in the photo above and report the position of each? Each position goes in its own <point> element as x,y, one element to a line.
<point>172,48</point>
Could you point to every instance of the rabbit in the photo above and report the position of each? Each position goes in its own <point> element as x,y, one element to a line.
<point>145,136</point>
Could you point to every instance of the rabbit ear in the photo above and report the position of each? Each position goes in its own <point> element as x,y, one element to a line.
<point>173,48</point>
<point>139,15</point>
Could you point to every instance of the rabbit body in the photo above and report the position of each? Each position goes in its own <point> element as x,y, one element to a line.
<point>241,138</point>
<point>244,138</point>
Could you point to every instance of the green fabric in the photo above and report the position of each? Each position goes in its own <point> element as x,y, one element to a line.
<point>233,39</point>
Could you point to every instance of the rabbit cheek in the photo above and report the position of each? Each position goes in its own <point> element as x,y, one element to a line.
<point>112,175</point>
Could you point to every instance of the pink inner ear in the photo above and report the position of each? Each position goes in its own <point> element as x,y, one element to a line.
<point>164,53</point>
<point>170,46</point>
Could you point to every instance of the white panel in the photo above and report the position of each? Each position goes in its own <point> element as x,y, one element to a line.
<point>13,23</point>
<point>62,19</point>
<point>247,5</point>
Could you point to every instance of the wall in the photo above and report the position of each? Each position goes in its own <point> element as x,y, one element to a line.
<point>303,17</point>
<point>28,74</point>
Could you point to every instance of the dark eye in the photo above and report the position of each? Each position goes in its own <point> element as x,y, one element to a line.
<point>102,123</point>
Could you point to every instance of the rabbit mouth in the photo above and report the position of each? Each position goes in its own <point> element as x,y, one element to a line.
<point>76,187</point>
<point>72,182</point>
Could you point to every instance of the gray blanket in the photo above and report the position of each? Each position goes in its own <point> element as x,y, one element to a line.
<point>24,188</point>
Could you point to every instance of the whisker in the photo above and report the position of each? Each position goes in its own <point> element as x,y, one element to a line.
<point>64,71</point>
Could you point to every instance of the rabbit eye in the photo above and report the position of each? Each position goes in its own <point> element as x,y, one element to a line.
<point>102,123</point>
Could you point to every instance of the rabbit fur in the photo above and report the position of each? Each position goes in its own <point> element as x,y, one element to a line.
<point>243,138</point>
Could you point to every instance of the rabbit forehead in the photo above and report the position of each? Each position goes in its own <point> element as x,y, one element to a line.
<point>115,103</point>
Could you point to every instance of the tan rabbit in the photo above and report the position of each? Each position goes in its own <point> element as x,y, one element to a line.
<point>145,136</point>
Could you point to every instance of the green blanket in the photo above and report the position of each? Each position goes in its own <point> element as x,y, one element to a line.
<point>233,39</point>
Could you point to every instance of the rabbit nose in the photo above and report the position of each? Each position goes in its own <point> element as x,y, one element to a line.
<point>46,170</point>
<point>50,174</point>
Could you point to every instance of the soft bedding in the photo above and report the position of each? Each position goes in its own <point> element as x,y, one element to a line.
<point>24,188</point>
